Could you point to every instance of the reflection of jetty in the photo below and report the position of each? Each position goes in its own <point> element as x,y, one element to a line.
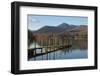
<point>45,49</point>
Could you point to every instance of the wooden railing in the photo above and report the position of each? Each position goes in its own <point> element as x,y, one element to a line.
<point>44,50</point>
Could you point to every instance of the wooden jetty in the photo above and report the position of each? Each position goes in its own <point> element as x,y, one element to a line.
<point>48,43</point>
<point>48,49</point>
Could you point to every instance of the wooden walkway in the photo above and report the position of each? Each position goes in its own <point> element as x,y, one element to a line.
<point>33,53</point>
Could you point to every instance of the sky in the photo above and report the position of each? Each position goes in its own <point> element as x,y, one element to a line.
<point>35,22</point>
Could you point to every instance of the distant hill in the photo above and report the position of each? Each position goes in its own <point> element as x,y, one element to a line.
<point>62,28</point>
<point>67,27</point>
<point>47,29</point>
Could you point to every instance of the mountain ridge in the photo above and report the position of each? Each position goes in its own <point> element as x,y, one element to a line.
<point>63,27</point>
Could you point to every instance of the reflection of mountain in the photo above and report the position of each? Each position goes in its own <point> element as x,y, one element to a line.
<point>64,27</point>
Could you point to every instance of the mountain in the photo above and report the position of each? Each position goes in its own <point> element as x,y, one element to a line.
<point>47,29</point>
<point>80,28</point>
<point>62,28</point>
<point>67,27</point>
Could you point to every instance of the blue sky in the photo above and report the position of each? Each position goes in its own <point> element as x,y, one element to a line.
<point>35,22</point>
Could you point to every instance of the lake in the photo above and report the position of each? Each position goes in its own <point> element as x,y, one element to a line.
<point>78,50</point>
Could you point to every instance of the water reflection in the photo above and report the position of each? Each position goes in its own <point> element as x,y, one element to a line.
<point>78,50</point>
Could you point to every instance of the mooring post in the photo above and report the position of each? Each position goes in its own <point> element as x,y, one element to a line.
<point>35,51</point>
<point>41,50</point>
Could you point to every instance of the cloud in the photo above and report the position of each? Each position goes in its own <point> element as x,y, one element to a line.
<point>33,20</point>
<point>33,23</point>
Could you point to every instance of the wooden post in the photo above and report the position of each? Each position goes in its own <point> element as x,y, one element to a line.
<point>41,50</point>
<point>35,51</point>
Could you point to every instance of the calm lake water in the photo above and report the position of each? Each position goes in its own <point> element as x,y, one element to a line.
<point>78,50</point>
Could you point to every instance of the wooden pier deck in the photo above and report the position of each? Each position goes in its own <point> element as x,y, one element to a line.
<point>33,53</point>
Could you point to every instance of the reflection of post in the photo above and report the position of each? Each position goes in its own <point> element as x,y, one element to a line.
<point>35,51</point>
<point>54,56</point>
<point>42,57</point>
<point>34,58</point>
<point>47,56</point>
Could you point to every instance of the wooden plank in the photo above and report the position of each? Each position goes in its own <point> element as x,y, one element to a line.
<point>42,53</point>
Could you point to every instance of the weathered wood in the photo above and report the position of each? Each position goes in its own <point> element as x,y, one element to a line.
<point>42,53</point>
